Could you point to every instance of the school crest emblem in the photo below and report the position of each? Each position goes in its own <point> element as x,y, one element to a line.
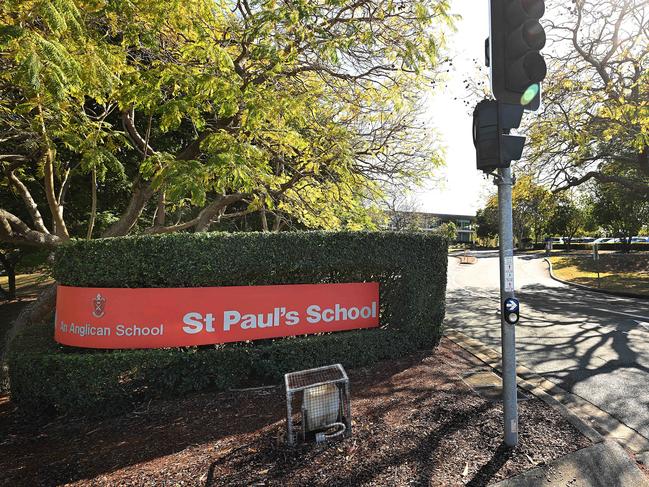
<point>99,306</point>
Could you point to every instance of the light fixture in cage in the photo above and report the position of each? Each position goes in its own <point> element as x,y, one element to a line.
<point>317,404</point>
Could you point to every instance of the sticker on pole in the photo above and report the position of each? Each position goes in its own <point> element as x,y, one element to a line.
<point>509,274</point>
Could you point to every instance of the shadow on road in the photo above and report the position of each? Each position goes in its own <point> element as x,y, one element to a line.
<point>589,344</point>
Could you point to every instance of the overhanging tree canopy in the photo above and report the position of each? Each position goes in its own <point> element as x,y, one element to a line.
<point>596,114</point>
<point>163,115</point>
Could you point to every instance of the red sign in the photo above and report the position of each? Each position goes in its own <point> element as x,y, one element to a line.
<point>178,317</point>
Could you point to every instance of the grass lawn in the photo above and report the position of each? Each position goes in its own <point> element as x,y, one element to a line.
<point>27,285</point>
<point>618,272</point>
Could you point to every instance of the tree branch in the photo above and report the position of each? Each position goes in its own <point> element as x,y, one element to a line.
<point>27,198</point>
<point>14,230</point>
<point>142,193</point>
<point>202,222</point>
<point>56,210</point>
<point>631,184</point>
<point>128,121</point>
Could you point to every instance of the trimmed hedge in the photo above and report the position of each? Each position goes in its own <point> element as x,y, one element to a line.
<point>617,247</point>
<point>411,269</point>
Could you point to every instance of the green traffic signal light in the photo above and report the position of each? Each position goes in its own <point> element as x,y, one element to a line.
<point>517,37</point>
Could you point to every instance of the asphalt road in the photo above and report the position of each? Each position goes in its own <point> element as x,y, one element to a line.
<point>593,345</point>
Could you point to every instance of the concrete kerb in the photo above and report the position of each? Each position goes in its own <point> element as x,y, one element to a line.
<point>537,386</point>
<point>621,294</point>
<point>604,464</point>
<point>590,420</point>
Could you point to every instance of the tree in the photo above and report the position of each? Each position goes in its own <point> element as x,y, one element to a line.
<point>447,230</point>
<point>532,205</point>
<point>487,220</point>
<point>402,210</point>
<point>596,96</point>
<point>568,219</point>
<point>619,211</point>
<point>8,261</point>
<point>162,116</point>
<point>294,108</point>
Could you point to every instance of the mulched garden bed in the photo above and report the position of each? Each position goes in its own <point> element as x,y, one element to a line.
<point>415,423</point>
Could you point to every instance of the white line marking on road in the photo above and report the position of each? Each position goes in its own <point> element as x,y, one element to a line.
<point>621,313</point>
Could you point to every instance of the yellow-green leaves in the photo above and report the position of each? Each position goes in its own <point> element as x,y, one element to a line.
<point>301,105</point>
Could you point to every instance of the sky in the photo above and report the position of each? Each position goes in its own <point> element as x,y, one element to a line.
<point>461,188</point>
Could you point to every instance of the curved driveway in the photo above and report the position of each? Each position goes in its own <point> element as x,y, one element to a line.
<point>593,345</point>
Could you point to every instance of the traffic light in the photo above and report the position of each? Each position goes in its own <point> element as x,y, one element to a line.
<point>517,67</point>
<point>495,148</point>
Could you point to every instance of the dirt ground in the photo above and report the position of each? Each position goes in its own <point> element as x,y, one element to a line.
<point>416,422</point>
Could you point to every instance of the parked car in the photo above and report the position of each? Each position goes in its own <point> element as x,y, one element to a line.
<point>639,239</point>
<point>555,240</point>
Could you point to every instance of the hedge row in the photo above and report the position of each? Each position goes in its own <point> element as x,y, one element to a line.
<point>617,247</point>
<point>410,267</point>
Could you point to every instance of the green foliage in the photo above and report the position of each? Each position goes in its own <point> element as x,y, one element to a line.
<point>532,206</point>
<point>300,107</point>
<point>618,210</point>
<point>595,112</point>
<point>448,230</point>
<point>487,222</point>
<point>568,218</point>
<point>411,269</point>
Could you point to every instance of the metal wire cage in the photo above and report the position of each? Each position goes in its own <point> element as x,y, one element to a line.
<point>318,404</point>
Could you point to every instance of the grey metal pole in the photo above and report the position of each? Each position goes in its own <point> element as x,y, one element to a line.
<point>508,332</point>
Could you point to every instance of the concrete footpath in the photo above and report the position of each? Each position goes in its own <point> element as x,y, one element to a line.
<point>590,349</point>
<point>604,464</point>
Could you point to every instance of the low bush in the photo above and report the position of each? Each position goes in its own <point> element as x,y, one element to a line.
<point>410,267</point>
<point>617,247</point>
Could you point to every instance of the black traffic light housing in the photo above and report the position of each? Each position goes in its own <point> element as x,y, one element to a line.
<point>516,39</point>
<point>492,121</point>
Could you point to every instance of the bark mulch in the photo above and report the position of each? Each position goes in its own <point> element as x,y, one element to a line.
<point>415,423</point>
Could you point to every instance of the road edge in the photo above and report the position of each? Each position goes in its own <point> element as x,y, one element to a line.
<point>538,389</point>
<point>593,289</point>
<point>593,422</point>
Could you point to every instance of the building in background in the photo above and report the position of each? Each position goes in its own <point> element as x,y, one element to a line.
<point>431,222</point>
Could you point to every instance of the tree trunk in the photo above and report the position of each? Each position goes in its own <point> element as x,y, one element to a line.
<point>12,283</point>
<point>213,209</point>
<point>93,208</point>
<point>11,275</point>
<point>160,213</point>
<point>141,195</point>
<point>626,244</point>
<point>33,314</point>
<point>264,220</point>
<point>278,224</point>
